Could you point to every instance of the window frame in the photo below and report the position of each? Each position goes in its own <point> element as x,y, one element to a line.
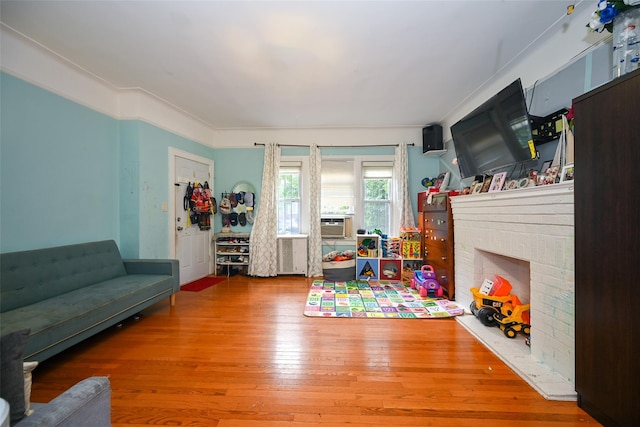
<point>358,161</point>
<point>391,197</point>
<point>303,163</point>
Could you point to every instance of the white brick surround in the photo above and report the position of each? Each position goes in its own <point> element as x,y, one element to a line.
<point>524,235</point>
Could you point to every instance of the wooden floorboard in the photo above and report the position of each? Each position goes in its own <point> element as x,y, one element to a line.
<point>242,354</point>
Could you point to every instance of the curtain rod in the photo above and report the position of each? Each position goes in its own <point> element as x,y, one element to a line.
<point>337,146</point>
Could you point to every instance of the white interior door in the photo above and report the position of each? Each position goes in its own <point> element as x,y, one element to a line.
<point>192,245</point>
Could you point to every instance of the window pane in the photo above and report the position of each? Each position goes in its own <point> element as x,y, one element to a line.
<point>377,215</point>
<point>289,214</point>
<point>377,182</point>
<point>288,217</point>
<point>289,185</point>
<point>376,189</point>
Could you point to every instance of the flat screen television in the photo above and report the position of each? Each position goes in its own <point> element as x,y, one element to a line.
<point>496,135</point>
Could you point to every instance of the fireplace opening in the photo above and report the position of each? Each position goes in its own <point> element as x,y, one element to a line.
<point>516,271</point>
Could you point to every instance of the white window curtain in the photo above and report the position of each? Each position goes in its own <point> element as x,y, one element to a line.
<point>263,259</point>
<point>314,268</point>
<point>404,215</point>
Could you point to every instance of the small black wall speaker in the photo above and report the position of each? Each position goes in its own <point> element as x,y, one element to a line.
<point>432,138</point>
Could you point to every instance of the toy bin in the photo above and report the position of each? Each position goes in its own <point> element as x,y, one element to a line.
<point>367,268</point>
<point>339,271</point>
<point>390,269</point>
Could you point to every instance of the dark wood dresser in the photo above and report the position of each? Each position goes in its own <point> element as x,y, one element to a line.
<point>607,248</point>
<point>437,232</point>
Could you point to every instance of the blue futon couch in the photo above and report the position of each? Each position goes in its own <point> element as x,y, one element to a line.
<point>69,293</point>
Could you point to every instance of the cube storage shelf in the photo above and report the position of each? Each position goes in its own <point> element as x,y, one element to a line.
<point>371,264</point>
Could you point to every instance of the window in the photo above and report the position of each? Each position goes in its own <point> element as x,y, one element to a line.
<point>338,182</point>
<point>377,184</point>
<point>289,198</point>
<point>360,187</point>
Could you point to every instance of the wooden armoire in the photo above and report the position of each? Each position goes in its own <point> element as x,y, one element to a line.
<point>607,251</point>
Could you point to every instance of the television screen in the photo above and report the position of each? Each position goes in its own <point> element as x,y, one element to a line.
<point>495,135</point>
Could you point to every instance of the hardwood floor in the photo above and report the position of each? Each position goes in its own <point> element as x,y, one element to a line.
<point>242,354</point>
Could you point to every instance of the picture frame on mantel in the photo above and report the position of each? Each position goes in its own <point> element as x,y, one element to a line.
<point>567,173</point>
<point>497,182</point>
<point>486,184</point>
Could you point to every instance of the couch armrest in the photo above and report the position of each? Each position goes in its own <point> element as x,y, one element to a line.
<point>87,403</point>
<point>168,267</point>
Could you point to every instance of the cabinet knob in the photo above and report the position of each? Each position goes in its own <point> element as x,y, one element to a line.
<point>443,240</point>
<point>444,258</point>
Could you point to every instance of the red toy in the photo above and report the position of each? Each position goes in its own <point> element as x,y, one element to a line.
<point>424,281</point>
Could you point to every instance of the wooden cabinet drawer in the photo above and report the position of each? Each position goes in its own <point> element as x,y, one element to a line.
<point>437,221</point>
<point>438,203</point>
<point>436,237</point>
<point>438,254</point>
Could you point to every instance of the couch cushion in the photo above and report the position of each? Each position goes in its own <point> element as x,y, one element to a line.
<point>62,316</point>
<point>37,275</point>
<point>12,346</point>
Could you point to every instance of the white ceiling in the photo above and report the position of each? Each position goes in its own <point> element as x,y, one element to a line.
<point>295,64</point>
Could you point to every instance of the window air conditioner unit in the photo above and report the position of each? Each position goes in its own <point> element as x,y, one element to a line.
<point>332,228</point>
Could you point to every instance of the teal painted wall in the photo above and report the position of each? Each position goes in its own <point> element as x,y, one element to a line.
<point>233,166</point>
<point>70,174</point>
<point>58,170</point>
<point>155,187</point>
<point>129,190</point>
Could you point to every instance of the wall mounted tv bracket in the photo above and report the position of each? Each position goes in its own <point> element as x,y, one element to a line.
<point>549,128</point>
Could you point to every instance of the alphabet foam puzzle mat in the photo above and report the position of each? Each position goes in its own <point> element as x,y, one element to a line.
<point>374,299</point>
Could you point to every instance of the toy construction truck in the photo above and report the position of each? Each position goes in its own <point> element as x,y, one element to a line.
<point>493,305</point>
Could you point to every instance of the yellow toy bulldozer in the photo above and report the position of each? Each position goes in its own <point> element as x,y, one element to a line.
<point>514,317</point>
<point>507,312</point>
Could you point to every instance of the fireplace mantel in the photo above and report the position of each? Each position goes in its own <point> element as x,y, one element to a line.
<point>532,226</point>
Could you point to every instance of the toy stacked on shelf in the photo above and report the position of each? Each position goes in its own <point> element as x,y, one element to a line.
<point>391,261</point>
<point>367,249</point>
<point>392,247</point>
<point>410,251</point>
<point>410,242</point>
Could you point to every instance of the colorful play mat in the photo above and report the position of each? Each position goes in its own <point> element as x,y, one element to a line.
<point>374,299</point>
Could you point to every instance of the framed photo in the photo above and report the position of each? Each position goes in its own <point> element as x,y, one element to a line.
<point>567,173</point>
<point>552,174</point>
<point>512,184</point>
<point>486,184</point>
<point>497,182</point>
<point>476,188</point>
<point>545,165</point>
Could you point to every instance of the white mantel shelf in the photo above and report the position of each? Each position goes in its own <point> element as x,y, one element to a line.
<point>499,233</point>
<point>562,188</point>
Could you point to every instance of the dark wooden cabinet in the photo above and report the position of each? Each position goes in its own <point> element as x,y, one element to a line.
<point>607,251</point>
<point>437,238</point>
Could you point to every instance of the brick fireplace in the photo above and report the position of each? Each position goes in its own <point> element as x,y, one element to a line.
<point>526,236</point>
